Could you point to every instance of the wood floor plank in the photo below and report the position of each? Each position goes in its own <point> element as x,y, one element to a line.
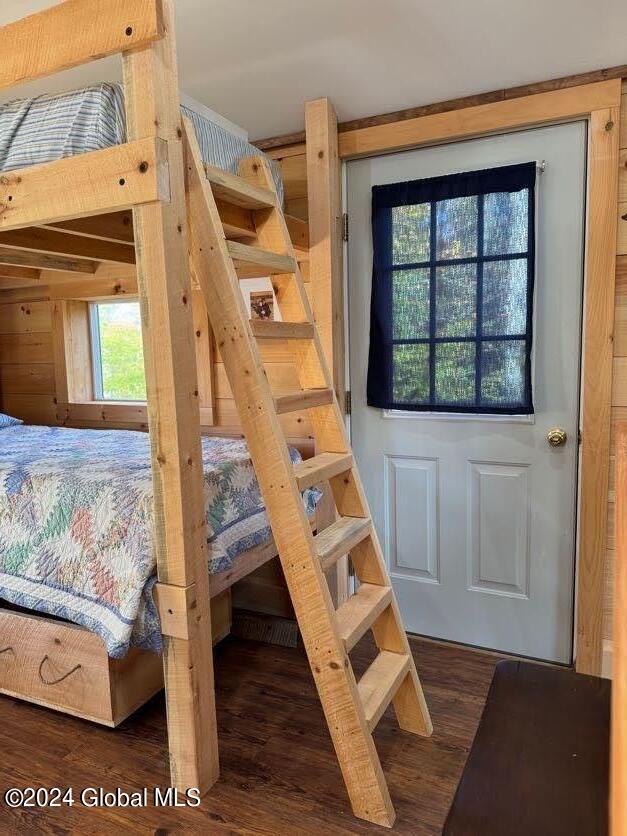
<point>277,761</point>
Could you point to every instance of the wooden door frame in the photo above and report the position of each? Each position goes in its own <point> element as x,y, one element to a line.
<point>599,104</point>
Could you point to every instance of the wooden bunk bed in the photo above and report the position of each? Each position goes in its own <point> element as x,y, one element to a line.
<point>158,173</point>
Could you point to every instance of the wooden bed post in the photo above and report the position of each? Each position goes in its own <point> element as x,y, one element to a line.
<point>324,199</point>
<point>152,107</point>
<point>618,771</point>
<point>325,236</point>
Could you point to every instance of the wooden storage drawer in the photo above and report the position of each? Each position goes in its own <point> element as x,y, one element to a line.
<point>65,667</point>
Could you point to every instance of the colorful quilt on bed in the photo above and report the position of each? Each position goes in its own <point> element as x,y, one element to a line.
<point>76,525</point>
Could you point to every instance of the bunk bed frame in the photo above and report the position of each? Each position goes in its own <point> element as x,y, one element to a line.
<point>75,247</point>
<point>178,223</point>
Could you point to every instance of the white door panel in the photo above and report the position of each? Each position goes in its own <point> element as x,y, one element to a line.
<point>477,514</point>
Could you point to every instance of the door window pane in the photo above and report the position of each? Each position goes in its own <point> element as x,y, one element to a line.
<point>411,304</point>
<point>455,374</point>
<point>456,300</point>
<point>411,373</point>
<point>456,226</point>
<point>411,230</point>
<point>502,372</point>
<point>506,222</point>
<point>505,297</point>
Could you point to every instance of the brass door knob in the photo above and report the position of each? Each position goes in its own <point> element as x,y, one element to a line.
<point>556,437</point>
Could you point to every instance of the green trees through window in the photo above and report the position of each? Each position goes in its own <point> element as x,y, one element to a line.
<point>118,356</point>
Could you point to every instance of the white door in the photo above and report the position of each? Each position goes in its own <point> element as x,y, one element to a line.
<point>477,513</point>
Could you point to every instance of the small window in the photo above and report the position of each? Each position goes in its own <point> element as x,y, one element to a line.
<point>452,293</point>
<point>117,353</point>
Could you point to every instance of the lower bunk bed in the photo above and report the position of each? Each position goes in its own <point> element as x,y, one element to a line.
<point>79,624</point>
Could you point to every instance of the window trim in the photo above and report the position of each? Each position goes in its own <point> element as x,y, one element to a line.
<point>423,415</point>
<point>95,350</point>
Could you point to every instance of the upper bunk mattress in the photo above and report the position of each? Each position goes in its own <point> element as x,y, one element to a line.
<point>49,127</point>
<point>76,517</point>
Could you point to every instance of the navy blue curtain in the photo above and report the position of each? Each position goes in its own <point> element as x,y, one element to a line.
<point>452,292</point>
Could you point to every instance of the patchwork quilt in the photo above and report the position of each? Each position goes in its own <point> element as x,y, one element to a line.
<point>76,525</point>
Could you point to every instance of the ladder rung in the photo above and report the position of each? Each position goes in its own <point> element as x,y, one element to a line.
<point>339,538</point>
<point>306,399</point>
<point>253,262</point>
<point>380,683</point>
<point>320,468</point>
<point>360,612</point>
<point>275,330</point>
<point>233,189</point>
<point>236,221</point>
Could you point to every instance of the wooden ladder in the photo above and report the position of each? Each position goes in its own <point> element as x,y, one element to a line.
<point>352,708</point>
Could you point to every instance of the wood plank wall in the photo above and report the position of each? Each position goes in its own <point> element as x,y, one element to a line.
<point>619,388</point>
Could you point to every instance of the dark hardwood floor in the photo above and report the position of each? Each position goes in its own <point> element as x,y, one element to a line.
<point>279,773</point>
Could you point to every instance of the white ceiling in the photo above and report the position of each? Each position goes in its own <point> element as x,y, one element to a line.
<point>258,62</point>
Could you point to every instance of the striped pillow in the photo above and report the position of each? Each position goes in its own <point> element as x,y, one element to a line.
<point>8,421</point>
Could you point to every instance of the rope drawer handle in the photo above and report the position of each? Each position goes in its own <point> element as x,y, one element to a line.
<point>61,678</point>
<point>6,650</point>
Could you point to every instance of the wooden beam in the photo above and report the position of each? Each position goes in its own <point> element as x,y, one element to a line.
<point>96,288</point>
<point>618,770</point>
<point>325,243</point>
<point>481,119</point>
<point>180,538</point>
<point>42,261</point>
<point>18,274</point>
<point>34,239</point>
<point>114,226</point>
<point>267,329</point>
<point>87,184</point>
<point>174,604</point>
<point>246,563</point>
<point>380,683</point>
<point>230,188</point>
<point>289,144</point>
<point>253,262</point>
<point>72,351</point>
<point>204,355</point>
<point>75,32</point>
<point>597,382</point>
<point>326,274</point>
<point>302,400</point>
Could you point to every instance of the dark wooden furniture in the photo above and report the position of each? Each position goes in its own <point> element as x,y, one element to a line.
<point>540,760</point>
